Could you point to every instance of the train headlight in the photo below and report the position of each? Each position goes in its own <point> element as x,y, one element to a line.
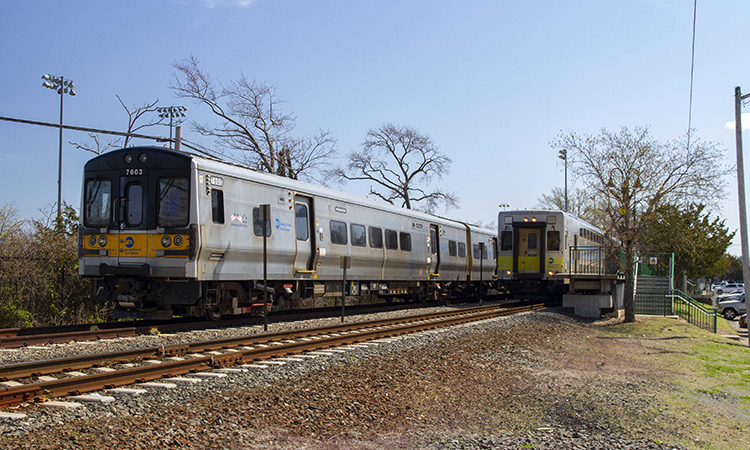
<point>166,241</point>
<point>507,272</point>
<point>128,158</point>
<point>142,157</point>
<point>178,240</point>
<point>533,219</point>
<point>550,273</point>
<point>525,219</point>
<point>102,241</point>
<point>92,240</point>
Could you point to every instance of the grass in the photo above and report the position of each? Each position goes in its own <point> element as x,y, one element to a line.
<point>710,407</point>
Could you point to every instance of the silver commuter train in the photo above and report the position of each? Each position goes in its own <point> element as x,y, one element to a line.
<point>165,233</point>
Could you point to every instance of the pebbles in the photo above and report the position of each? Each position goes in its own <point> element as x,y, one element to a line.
<point>475,386</point>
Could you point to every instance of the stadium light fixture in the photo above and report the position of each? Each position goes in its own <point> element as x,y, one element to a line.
<point>173,112</point>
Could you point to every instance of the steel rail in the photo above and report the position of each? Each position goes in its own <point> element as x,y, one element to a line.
<point>45,367</point>
<point>76,385</point>
<point>20,337</point>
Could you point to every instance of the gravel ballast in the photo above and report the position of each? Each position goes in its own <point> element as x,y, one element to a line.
<point>509,382</point>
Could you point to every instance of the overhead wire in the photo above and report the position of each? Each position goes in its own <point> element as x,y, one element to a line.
<point>692,69</point>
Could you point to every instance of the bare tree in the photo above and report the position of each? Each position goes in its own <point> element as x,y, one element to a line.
<point>635,175</point>
<point>252,124</point>
<point>134,115</point>
<point>98,147</point>
<point>401,162</point>
<point>580,204</point>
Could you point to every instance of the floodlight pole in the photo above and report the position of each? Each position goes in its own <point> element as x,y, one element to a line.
<point>738,97</point>
<point>62,86</point>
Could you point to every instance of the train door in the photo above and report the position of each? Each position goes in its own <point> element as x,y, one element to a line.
<point>529,248</point>
<point>304,220</point>
<point>435,249</point>
<point>132,218</point>
<point>493,256</point>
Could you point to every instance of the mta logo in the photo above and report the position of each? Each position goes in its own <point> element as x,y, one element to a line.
<point>278,223</point>
<point>129,242</point>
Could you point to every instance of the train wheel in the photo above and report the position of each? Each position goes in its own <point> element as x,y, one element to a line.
<point>214,313</point>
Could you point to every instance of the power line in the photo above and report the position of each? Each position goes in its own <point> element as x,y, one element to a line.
<point>110,132</point>
<point>185,143</point>
<point>692,67</point>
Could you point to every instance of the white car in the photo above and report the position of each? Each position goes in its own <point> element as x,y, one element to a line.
<point>728,287</point>
<point>732,308</point>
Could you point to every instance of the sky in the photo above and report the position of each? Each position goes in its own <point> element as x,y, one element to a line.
<point>491,82</point>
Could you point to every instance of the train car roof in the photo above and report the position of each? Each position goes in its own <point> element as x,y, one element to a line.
<point>567,215</point>
<point>112,160</point>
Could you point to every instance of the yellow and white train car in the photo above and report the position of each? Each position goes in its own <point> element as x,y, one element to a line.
<point>534,249</point>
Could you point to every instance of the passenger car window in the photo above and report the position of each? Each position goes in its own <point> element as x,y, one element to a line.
<point>553,241</point>
<point>302,224</point>
<point>133,204</point>
<point>391,240</point>
<point>475,247</point>
<point>217,206</point>
<point>359,238</point>
<point>97,210</point>
<point>338,232</point>
<point>506,240</point>
<point>452,248</point>
<point>461,250</point>
<point>376,237</point>
<point>174,202</point>
<point>258,224</point>
<point>406,242</point>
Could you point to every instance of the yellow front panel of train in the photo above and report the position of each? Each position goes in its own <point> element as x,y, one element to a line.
<point>556,263</point>
<point>528,264</point>
<point>135,245</point>
<point>504,263</point>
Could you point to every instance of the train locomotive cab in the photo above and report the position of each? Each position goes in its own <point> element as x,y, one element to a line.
<point>531,253</point>
<point>137,238</point>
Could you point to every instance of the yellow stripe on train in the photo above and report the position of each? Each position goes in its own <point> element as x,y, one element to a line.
<point>135,245</point>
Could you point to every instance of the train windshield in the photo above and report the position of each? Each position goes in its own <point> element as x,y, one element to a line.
<point>553,241</point>
<point>98,203</point>
<point>174,202</point>
<point>506,240</point>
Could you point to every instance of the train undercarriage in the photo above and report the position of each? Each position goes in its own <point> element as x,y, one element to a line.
<point>163,298</point>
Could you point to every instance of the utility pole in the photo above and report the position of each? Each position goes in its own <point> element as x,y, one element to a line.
<point>563,154</point>
<point>738,97</point>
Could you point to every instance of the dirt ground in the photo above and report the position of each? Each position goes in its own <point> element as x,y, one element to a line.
<point>541,380</point>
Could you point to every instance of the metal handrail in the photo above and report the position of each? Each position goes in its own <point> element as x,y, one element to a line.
<point>694,312</point>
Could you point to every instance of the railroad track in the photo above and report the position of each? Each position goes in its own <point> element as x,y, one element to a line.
<point>28,336</point>
<point>239,350</point>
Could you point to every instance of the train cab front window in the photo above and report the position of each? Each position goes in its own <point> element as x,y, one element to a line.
<point>553,241</point>
<point>506,240</point>
<point>174,202</point>
<point>98,202</point>
<point>532,241</point>
<point>133,204</point>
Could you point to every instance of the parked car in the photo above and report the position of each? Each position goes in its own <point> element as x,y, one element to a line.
<point>728,287</point>
<point>732,308</point>
<point>743,321</point>
<point>730,296</point>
